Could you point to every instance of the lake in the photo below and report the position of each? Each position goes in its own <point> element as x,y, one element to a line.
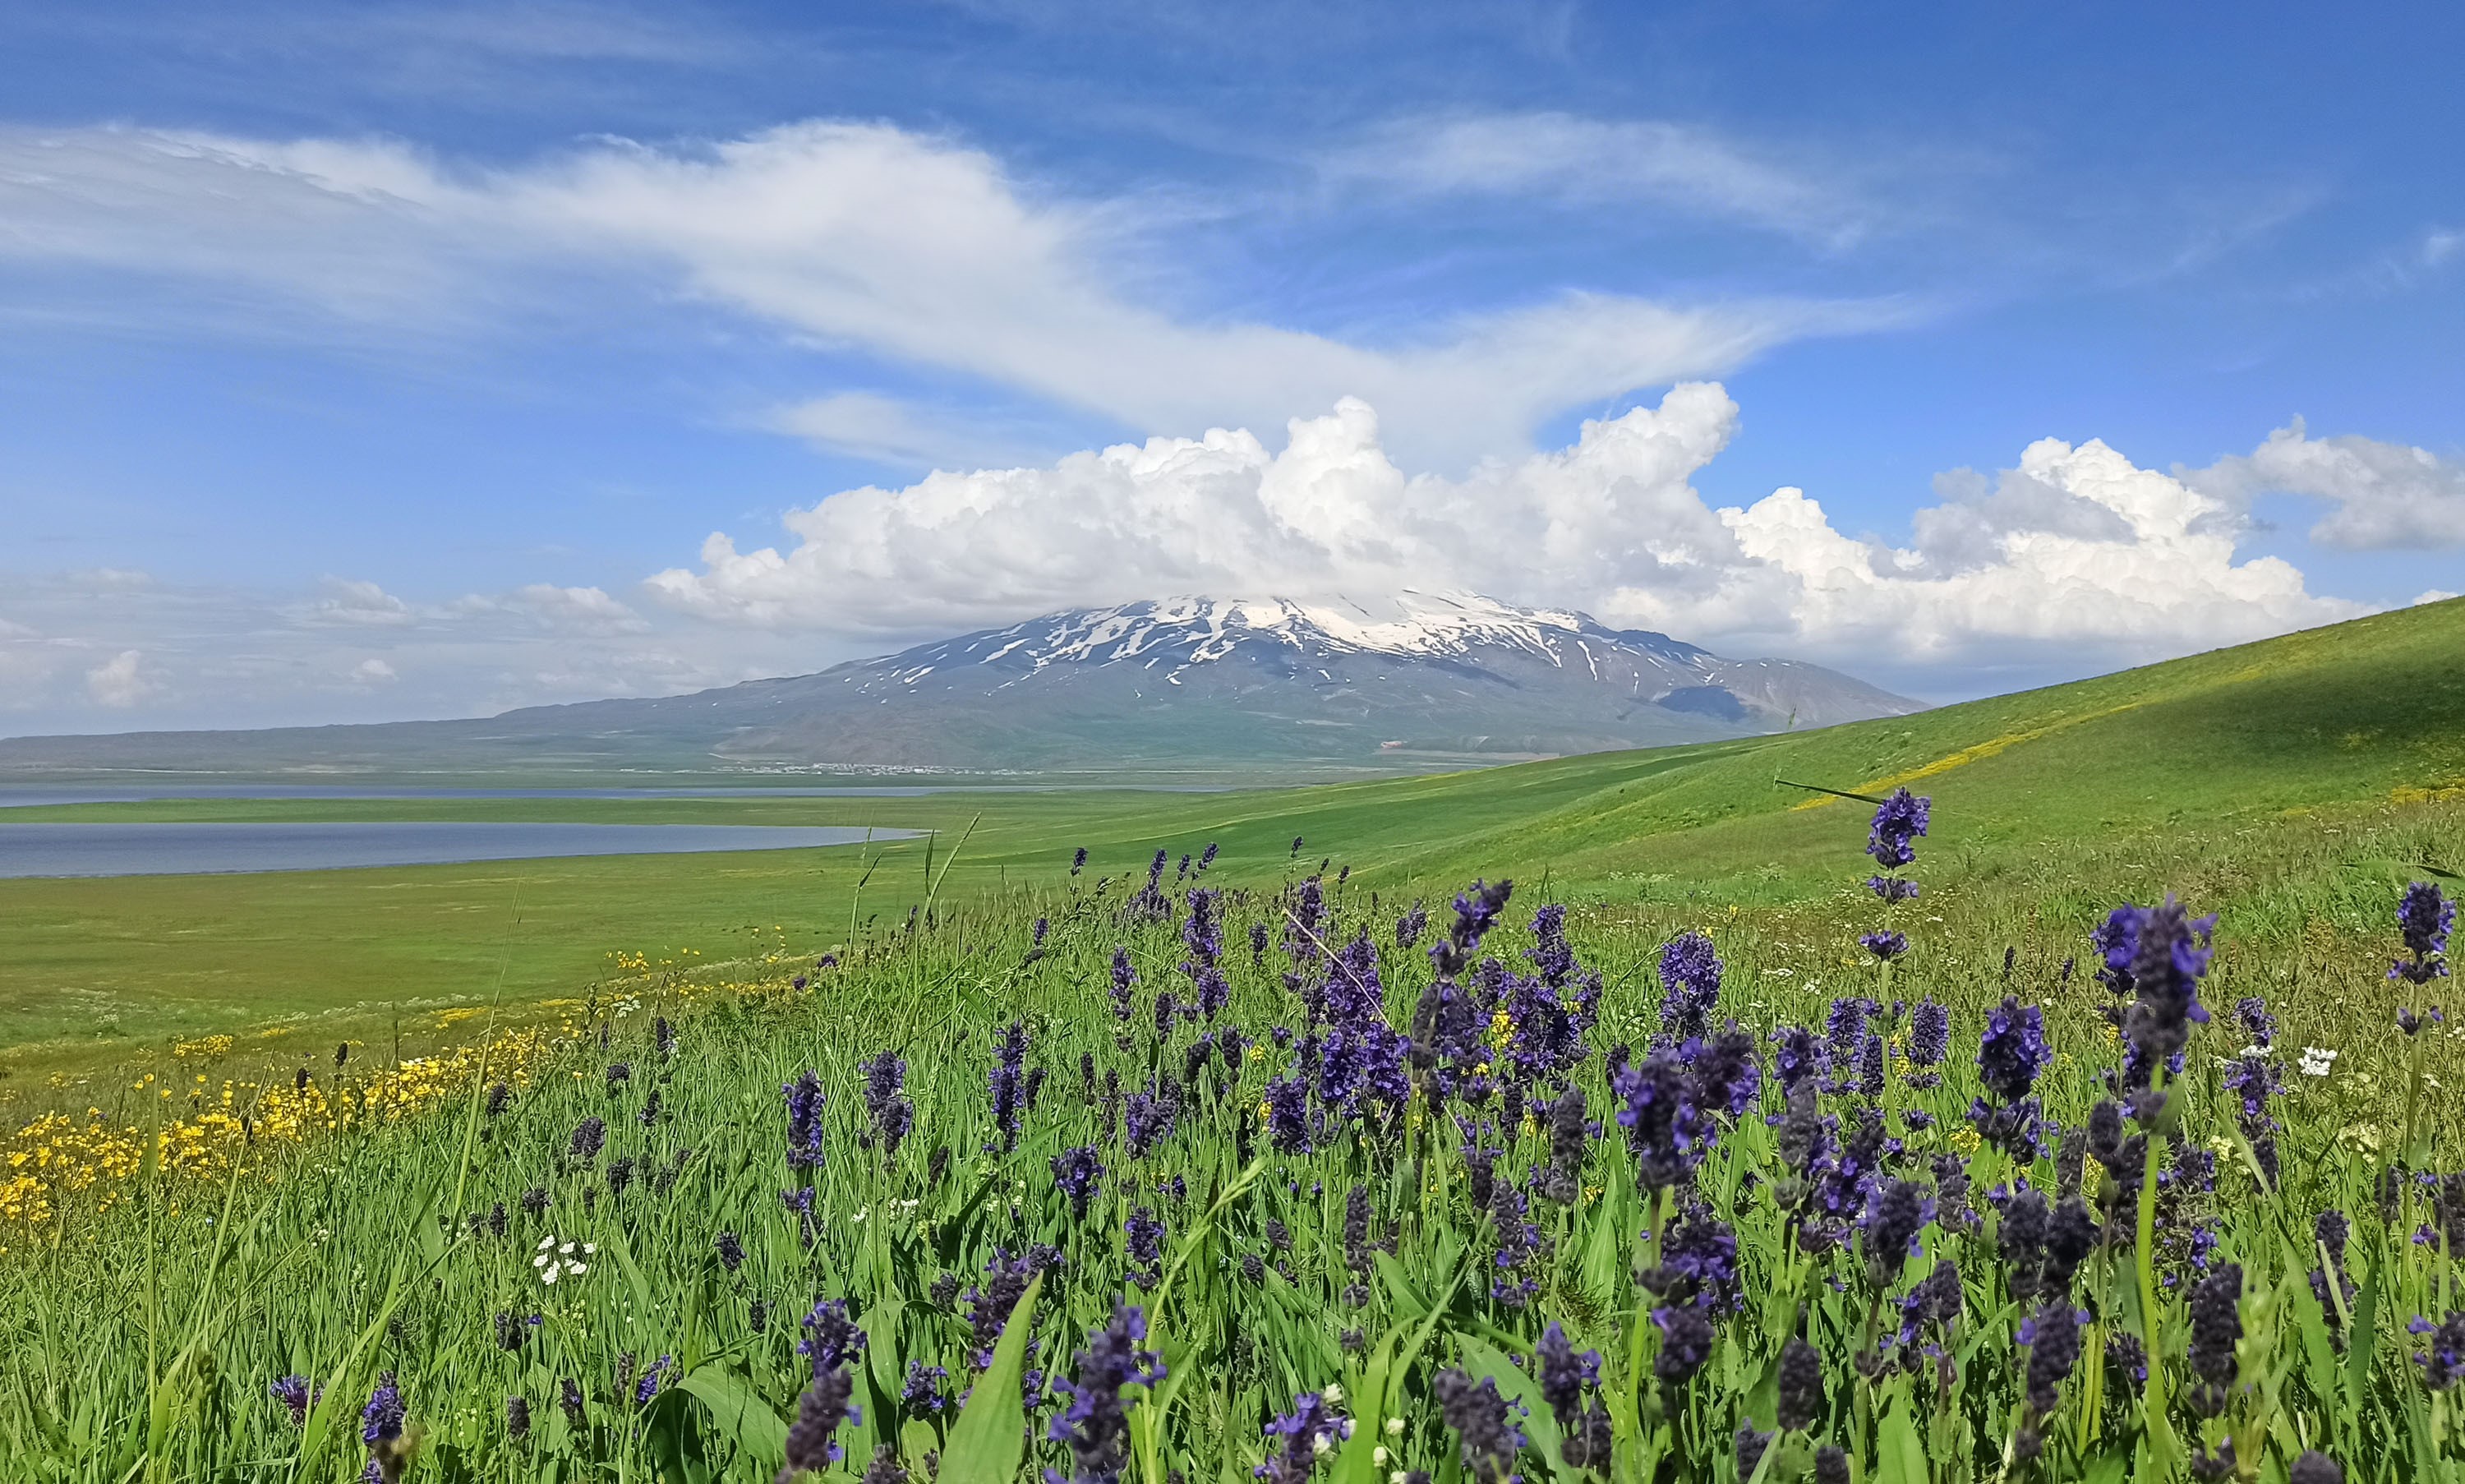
<point>19,795</point>
<point>124,849</point>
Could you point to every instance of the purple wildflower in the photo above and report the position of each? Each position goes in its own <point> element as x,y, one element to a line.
<point>1143,1240</point>
<point>2216,1328</point>
<point>648,1387</point>
<point>1007,1083</point>
<point>1800,1386</point>
<point>1901,820</point>
<point>1079,1175</point>
<point>1699,1265</point>
<point>1096,1424</point>
<point>831,1337</point>
<point>1667,1128</point>
<point>805,1099</point>
<point>1689,981</point>
<point>1798,1056</point>
<point>2051,1338</point>
<point>590,1137</point>
<point>2314,1467</point>
<point>1147,1120</point>
<point>381,1419</point>
<point>923,1395</point>
<point>293,1392</point>
<point>989,1303</point>
<point>2013,1050</point>
<point>1296,1438</point>
<point>1892,889</point>
<point>1477,911</point>
<point>1884,945</point>
<point>1288,1121</point>
<point>2168,951</point>
<point>826,1403</point>
<point>1896,1212</point>
<point>2442,1358</point>
<point>2424,920</point>
<point>886,1079</point>
<point>1929,1041</point>
<point>1686,1338</point>
<point>1484,1425</point>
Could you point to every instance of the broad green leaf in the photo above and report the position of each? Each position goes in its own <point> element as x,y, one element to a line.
<point>915,1440</point>
<point>1407,1303</point>
<point>2360,1347</point>
<point>2107,1468</point>
<point>1603,1269</point>
<point>738,1412</point>
<point>1900,1456</point>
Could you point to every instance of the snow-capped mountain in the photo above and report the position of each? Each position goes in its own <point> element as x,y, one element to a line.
<point>1415,678</point>
<point>1184,685</point>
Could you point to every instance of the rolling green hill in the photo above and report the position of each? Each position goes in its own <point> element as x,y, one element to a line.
<point>2290,781</point>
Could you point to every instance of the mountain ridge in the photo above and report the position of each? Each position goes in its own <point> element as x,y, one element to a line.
<point>1402,682</point>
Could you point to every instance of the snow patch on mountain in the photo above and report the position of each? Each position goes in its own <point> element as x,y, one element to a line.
<point>1196,630</point>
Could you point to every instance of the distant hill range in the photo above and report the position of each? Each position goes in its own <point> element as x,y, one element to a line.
<point>1184,685</point>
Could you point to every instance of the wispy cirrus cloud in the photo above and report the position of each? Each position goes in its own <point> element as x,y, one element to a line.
<point>915,249</point>
<point>1683,169</point>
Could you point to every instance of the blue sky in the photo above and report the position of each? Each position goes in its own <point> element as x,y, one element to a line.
<point>400,359</point>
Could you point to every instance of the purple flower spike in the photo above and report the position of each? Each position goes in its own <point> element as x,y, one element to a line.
<point>1886,944</point>
<point>1689,981</point>
<point>1901,820</point>
<point>1296,1438</point>
<point>2424,920</point>
<point>805,1099</point>
<point>382,1418</point>
<point>1096,1425</point>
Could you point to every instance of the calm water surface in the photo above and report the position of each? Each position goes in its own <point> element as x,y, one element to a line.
<point>124,849</point>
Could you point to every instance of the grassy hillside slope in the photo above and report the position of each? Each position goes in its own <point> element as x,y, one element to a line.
<point>2292,780</point>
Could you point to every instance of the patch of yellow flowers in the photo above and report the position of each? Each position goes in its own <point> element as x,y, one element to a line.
<point>58,1158</point>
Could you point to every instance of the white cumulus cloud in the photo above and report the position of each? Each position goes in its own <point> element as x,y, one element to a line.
<point>2387,496</point>
<point>343,600</point>
<point>2075,552</point>
<point>118,681</point>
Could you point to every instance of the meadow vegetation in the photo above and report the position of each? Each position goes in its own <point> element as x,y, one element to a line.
<point>1709,1150</point>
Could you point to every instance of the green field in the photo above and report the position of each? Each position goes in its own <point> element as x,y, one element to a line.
<point>2292,780</point>
<point>1401,1280</point>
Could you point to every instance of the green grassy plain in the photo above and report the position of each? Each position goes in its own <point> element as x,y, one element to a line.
<point>382,1225</point>
<point>2289,782</point>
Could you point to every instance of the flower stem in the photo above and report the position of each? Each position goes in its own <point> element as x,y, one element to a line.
<point>2145,1257</point>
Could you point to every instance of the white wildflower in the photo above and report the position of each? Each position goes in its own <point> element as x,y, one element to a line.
<point>2317,1060</point>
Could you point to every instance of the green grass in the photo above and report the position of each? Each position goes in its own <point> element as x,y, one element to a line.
<point>2293,787</point>
<point>137,1339</point>
<point>2203,761</point>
